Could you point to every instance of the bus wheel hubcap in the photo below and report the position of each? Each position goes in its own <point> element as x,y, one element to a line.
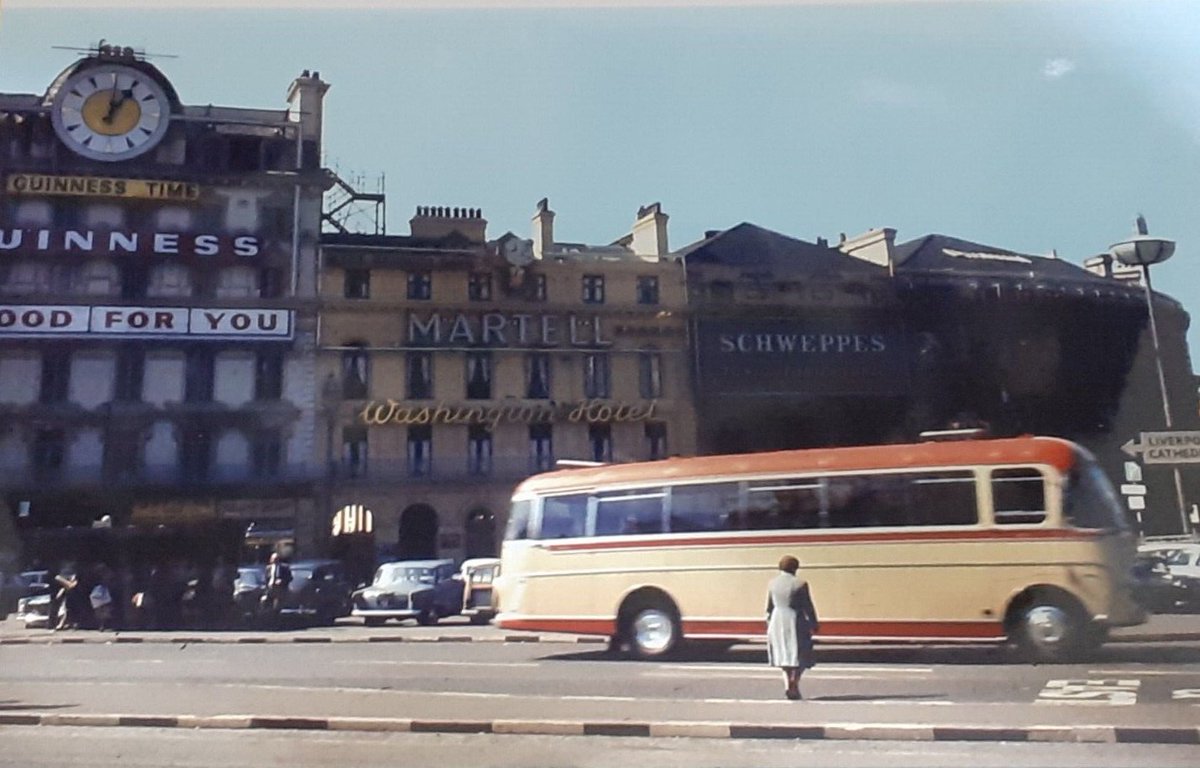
<point>653,630</point>
<point>1048,625</point>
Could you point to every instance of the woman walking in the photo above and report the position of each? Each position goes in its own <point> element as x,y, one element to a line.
<point>791,622</point>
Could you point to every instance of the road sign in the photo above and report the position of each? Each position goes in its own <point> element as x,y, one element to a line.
<point>1166,447</point>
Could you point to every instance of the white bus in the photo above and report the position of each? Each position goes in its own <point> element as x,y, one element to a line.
<point>980,540</point>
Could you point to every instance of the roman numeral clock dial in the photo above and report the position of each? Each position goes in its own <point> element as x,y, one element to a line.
<point>110,112</point>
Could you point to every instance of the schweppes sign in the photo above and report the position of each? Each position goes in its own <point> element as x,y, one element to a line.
<point>99,186</point>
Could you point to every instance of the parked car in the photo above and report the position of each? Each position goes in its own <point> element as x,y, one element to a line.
<point>249,586</point>
<point>1159,590</point>
<point>1182,558</point>
<point>477,575</point>
<point>15,586</point>
<point>34,610</point>
<point>425,590</point>
<point>320,591</point>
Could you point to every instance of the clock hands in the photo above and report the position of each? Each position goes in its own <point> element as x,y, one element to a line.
<point>115,101</point>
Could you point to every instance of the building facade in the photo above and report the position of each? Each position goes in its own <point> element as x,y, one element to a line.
<point>802,345</point>
<point>455,366</point>
<point>157,313</point>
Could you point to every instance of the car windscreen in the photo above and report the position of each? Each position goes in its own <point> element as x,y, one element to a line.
<point>395,572</point>
<point>253,578</point>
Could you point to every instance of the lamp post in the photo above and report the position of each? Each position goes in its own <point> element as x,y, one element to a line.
<point>331,394</point>
<point>1143,251</point>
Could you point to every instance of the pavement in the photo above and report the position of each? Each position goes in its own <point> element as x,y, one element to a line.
<point>125,706</point>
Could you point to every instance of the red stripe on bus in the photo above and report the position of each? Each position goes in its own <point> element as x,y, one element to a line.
<point>669,540</point>
<point>922,630</point>
<point>925,630</point>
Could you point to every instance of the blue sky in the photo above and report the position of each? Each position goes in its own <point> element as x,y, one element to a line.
<point>1026,125</point>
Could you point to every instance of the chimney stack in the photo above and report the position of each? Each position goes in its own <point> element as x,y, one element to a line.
<point>435,222</point>
<point>543,229</point>
<point>649,236</point>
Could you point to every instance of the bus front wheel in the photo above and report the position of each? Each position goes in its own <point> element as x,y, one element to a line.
<point>1049,628</point>
<point>651,628</point>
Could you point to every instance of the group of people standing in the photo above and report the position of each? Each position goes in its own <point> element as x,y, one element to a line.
<point>159,596</point>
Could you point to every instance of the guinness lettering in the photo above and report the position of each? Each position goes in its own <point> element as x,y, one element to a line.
<point>116,242</point>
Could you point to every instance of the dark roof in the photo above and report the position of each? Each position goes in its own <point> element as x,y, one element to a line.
<point>753,247</point>
<point>941,254</point>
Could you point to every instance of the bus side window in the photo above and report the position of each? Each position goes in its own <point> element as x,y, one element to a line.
<point>788,504</point>
<point>1018,496</point>
<point>518,520</point>
<point>637,511</point>
<point>563,517</point>
<point>706,507</point>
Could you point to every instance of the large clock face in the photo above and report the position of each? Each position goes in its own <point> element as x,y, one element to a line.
<point>110,112</point>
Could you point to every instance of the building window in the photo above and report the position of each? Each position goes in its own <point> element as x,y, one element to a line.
<point>131,372</point>
<point>650,374</point>
<point>600,442</point>
<point>195,454</point>
<point>420,376</point>
<point>538,287</point>
<point>593,289</point>
<point>420,286</point>
<point>270,283</point>
<point>479,375</point>
<point>420,450</point>
<point>268,454</point>
<point>479,450</point>
<point>357,284</point>
<point>56,376</point>
<point>479,286</point>
<point>537,376</point>
<point>647,289</point>
<point>135,281</point>
<point>656,440</point>
<point>268,376</point>
<point>49,447</point>
<point>355,373</point>
<point>541,447</point>
<point>595,375</point>
<point>122,454</point>
<point>198,377</point>
<point>354,451</point>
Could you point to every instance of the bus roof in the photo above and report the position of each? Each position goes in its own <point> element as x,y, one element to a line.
<point>1017,450</point>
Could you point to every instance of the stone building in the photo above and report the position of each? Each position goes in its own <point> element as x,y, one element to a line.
<point>157,314</point>
<point>455,366</point>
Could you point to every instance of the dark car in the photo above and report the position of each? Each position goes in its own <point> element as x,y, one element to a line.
<point>248,589</point>
<point>1161,591</point>
<point>320,591</point>
<point>425,590</point>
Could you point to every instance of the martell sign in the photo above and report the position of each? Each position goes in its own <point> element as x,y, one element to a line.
<point>65,321</point>
<point>495,329</point>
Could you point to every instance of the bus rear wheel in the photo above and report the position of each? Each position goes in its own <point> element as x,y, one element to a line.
<point>651,628</point>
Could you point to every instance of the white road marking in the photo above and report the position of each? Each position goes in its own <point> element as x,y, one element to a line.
<point>385,662</point>
<point>1116,693</point>
<point>1185,693</point>
<point>891,669</point>
<point>1139,672</point>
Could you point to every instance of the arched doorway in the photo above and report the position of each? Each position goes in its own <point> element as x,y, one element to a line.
<point>418,533</point>
<point>480,533</point>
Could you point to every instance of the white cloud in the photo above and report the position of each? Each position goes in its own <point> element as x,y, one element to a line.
<point>1056,69</point>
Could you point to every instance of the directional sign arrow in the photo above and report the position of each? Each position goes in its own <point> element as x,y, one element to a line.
<point>1165,447</point>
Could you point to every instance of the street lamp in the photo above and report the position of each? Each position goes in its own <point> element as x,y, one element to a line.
<point>1142,250</point>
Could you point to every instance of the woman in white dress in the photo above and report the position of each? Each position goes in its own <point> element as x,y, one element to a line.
<point>791,622</point>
